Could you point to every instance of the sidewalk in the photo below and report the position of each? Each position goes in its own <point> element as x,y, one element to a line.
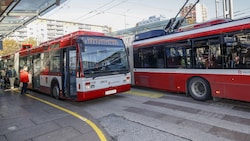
<point>24,118</point>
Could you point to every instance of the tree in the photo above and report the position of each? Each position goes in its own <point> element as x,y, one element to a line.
<point>10,46</point>
<point>31,41</point>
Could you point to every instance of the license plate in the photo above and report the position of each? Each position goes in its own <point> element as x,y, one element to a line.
<point>110,92</point>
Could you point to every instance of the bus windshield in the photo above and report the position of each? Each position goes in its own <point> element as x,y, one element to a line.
<point>100,60</point>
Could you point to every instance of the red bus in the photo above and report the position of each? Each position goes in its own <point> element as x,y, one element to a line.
<point>79,66</point>
<point>203,60</point>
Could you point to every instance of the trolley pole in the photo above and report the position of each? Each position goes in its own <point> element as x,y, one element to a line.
<point>228,9</point>
<point>217,8</point>
<point>231,9</point>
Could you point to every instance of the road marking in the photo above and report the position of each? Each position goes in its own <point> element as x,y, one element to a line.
<point>145,94</point>
<point>89,122</point>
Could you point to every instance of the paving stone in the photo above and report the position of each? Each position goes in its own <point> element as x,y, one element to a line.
<point>31,132</point>
<point>46,118</point>
<point>25,119</point>
<point>11,125</point>
<point>81,126</point>
<point>2,138</point>
<point>88,136</point>
<point>62,134</point>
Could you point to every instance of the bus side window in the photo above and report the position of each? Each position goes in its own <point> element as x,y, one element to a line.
<point>207,53</point>
<point>200,58</point>
<point>137,58</point>
<point>55,61</point>
<point>247,58</point>
<point>237,50</point>
<point>45,61</point>
<point>160,57</point>
<point>189,58</point>
<point>147,57</point>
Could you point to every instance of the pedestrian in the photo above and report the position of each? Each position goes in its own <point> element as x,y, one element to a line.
<point>6,79</point>
<point>3,75</point>
<point>24,78</point>
<point>11,74</point>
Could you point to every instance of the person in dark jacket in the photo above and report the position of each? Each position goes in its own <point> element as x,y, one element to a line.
<point>24,78</point>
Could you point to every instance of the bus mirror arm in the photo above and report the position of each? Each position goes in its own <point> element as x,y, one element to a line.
<point>127,49</point>
<point>80,44</point>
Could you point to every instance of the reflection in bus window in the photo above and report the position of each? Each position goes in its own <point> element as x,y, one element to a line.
<point>173,57</point>
<point>72,62</point>
<point>178,56</point>
<point>45,61</point>
<point>55,61</point>
<point>152,57</point>
<point>208,54</point>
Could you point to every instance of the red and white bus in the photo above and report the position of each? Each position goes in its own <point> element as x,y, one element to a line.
<point>204,60</point>
<point>79,66</point>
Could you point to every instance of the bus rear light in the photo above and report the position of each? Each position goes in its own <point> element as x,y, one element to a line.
<point>217,91</point>
<point>46,80</point>
<point>127,78</point>
<point>178,87</point>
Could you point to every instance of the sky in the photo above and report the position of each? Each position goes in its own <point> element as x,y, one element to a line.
<point>121,14</point>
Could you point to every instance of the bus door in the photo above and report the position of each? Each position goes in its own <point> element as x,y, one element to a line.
<point>69,72</point>
<point>36,71</point>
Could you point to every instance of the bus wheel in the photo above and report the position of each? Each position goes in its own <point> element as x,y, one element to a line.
<point>55,91</point>
<point>199,89</point>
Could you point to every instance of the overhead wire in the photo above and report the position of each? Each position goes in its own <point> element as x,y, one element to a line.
<point>98,12</point>
<point>106,7</point>
<point>92,11</point>
<point>241,12</point>
<point>59,8</point>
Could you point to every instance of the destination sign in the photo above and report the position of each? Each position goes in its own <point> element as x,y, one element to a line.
<point>102,41</point>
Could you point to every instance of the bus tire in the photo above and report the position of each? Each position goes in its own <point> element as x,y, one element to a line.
<point>55,91</point>
<point>199,89</point>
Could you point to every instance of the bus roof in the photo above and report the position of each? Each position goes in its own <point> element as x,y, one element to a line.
<point>63,41</point>
<point>161,32</point>
<point>71,36</point>
<point>202,30</point>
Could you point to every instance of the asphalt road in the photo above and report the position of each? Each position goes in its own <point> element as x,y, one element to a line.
<point>146,115</point>
<point>137,115</point>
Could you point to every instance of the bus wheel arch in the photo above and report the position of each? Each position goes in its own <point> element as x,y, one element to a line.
<point>55,90</point>
<point>199,88</point>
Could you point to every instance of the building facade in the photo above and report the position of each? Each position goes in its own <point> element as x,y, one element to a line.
<point>151,19</point>
<point>45,29</point>
<point>197,14</point>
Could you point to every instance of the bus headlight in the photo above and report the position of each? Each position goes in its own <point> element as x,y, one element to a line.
<point>87,85</point>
